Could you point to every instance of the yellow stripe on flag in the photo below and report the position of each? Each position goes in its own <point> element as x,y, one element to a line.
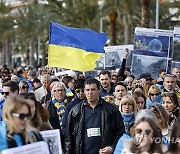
<point>70,57</point>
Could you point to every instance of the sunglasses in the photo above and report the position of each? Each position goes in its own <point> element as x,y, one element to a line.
<point>22,116</point>
<point>139,131</point>
<point>25,87</point>
<point>156,94</point>
<point>170,75</point>
<point>78,91</point>
<point>6,93</point>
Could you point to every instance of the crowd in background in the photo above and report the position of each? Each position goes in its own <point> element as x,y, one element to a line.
<point>114,112</point>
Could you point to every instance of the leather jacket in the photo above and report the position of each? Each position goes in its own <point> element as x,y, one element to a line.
<point>112,127</point>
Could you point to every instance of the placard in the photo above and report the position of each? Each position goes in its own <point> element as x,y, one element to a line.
<point>152,42</point>
<point>33,148</point>
<point>113,57</point>
<point>176,44</point>
<point>143,64</point>
<point>52,138</point>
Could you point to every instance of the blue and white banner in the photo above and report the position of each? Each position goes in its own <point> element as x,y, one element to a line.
<point>152,42</point>
<point>176,44</point>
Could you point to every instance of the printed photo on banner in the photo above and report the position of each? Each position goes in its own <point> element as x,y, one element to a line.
<point>152,42</point>
<point>34,148</point>
<point>52,138</point>
<point>176,44</point>
<point>113,57</point>
<point>175,64</point>
<point>142,64</point>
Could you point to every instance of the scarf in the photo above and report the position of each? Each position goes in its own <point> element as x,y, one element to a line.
<point>173,116</point>
<point>128,121</point>
<point>11,141</point>
<point>60,108</point>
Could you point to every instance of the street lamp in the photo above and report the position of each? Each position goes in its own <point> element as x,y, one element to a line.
<point>101,5</point>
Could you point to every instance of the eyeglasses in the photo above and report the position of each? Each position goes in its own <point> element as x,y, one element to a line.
<point>25,87</point>
<point>139,131</point>
<point>155,94</point>
<point>6,93</point>
<point>22,116</point>
<point>59,90</point>
<point>170,75</point>
<point>78,91</point>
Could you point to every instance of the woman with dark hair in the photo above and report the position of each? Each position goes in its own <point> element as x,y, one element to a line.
<point>140,100</point>
<point>174,146</point>
<point>69,83</point>
<point>171,104</point>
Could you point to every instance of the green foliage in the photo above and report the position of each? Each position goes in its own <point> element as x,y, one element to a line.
<point>33,19</point>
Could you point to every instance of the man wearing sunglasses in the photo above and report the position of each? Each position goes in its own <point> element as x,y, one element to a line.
<point>80,96</point>
<point>8,88</point>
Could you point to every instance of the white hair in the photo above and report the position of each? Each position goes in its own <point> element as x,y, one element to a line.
<point>145,113</point>
<point>57,84</point>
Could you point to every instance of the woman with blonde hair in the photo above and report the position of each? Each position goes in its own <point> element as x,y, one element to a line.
<point>14,129</point>
<point>154,95</point>
<point>23,87</point>
<point>128,109</point>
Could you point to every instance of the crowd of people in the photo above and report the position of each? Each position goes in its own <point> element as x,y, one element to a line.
<point>113,112</point>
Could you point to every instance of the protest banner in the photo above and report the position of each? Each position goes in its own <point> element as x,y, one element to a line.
<point>52,138</point>
<point>113,57</point>
<point>152,42</point>
<point>175,64</point>
<point>34,148</point>
<point>176,44</point>
<point>63,72</point>
<point>142,64</point>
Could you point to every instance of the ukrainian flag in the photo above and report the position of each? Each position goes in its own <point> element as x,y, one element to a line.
<point>74,48</point>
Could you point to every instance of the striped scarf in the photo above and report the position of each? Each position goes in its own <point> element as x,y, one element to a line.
<point>60,106</point>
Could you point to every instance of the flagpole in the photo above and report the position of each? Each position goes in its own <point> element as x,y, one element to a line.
<point>157,14</point>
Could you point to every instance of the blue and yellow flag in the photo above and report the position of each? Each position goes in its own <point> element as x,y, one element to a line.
<point>74,48</point>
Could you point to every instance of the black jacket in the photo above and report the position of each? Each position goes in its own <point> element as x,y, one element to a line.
<point>69,106</point>
<point>112,127</point>
<point>53,119</point>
